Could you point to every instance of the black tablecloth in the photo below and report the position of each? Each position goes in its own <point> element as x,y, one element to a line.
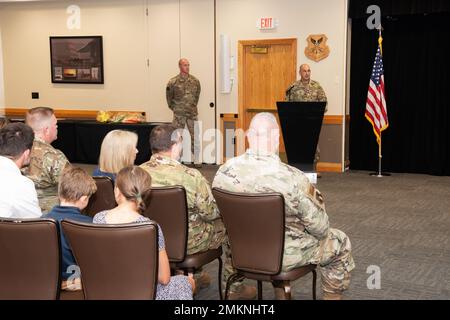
<point>81,140</point>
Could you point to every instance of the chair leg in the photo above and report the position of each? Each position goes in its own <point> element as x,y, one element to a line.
<point>259,290</point>
<point>230,280</point>
<point>314,283</point>
<point>287,290</point>
<point>188,271</point>
<point>220,279</point>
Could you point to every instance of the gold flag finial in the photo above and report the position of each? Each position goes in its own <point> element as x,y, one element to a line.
<point>380,40</point>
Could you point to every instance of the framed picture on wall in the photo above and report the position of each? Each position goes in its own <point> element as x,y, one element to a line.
<point>77,59</point>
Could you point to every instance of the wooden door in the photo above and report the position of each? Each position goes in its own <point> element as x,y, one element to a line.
<point>266,69</point>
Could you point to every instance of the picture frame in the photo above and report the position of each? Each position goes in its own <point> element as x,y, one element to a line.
<point>77,59</point>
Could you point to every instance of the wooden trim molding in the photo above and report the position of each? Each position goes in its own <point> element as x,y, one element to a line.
<point>329,167</point>
<point>229,116</point>
<point>60,113</point>
<point>267,41</point>
<point>333,119</point>
<point>262,110</point>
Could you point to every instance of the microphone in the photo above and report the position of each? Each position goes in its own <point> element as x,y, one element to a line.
<point>288,92</point>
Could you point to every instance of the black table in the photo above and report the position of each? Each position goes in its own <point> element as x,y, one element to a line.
<point>80,140</point>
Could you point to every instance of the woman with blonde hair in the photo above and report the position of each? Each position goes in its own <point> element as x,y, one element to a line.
<point>132,190</point>
<point>118,151</point>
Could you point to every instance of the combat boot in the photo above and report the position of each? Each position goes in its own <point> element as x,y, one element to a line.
<point>332,296</point>
<point>202,280</point>
<point>243,292</point>
<point>279,291</point>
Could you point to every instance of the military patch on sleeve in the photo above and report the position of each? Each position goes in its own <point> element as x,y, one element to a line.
<point>316,196</point>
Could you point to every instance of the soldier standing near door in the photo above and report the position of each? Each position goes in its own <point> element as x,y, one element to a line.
<point>182,93</point>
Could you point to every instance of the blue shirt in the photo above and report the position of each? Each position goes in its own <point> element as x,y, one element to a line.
<point>98,173</point>
<point>59,213</point>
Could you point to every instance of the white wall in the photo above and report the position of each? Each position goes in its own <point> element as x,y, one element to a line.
<point>181,30</point>
<point>163,32</point>
<point>26,28</point>
<point>130,38</point>
<point>297,19</point>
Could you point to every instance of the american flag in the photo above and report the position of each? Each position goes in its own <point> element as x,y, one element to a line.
<point>376,111</point>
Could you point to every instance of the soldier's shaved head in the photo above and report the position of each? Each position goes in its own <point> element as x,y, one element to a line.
<point>182,60</point>
<point>264,134</point>
<point>37,118</point>
<point>304,66</point>
<point>43,122</point>
<point>183,64</point>
<point>305,72</point>
<point>262,122</point>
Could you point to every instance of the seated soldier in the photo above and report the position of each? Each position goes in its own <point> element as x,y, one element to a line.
<point>47,163</point>
<point>74,190</point>
<point>206,229</point>
<point>308,239</point>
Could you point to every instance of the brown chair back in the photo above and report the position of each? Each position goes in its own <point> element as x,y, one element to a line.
<point>116,261</point>
<point>168,207</point>
<point>30,259</point>
<point>103,199</point>
<point>255,228</point>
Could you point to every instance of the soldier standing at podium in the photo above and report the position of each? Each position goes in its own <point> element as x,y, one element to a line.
<point>306,90</point>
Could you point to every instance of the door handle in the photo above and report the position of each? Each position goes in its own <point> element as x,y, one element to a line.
<point>211,104</point>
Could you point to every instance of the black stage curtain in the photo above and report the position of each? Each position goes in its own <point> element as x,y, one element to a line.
<point>417,85</point>
<point>357,8</point>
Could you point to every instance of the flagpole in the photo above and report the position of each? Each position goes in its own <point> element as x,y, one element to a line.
<point>380,40</point>
<point>379,174</point>
<point>379,158</point>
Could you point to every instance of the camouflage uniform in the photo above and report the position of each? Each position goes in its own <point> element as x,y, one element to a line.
<point>299,91</point>
<point>309,239</point>
<point>310,92</point>
<point>46,165</point>
<point>182,94</point>
<point>206,230</point>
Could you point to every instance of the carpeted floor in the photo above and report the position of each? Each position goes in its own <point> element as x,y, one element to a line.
<point>400,224</point>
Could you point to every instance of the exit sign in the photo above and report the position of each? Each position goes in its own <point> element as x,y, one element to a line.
<point>266,23</point>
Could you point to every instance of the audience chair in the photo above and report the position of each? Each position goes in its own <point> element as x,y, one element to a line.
<point>116,261</point>
<point>103,199</point>
<point>168,207</point>
<point>30,259</point>
<point>255,225</point>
